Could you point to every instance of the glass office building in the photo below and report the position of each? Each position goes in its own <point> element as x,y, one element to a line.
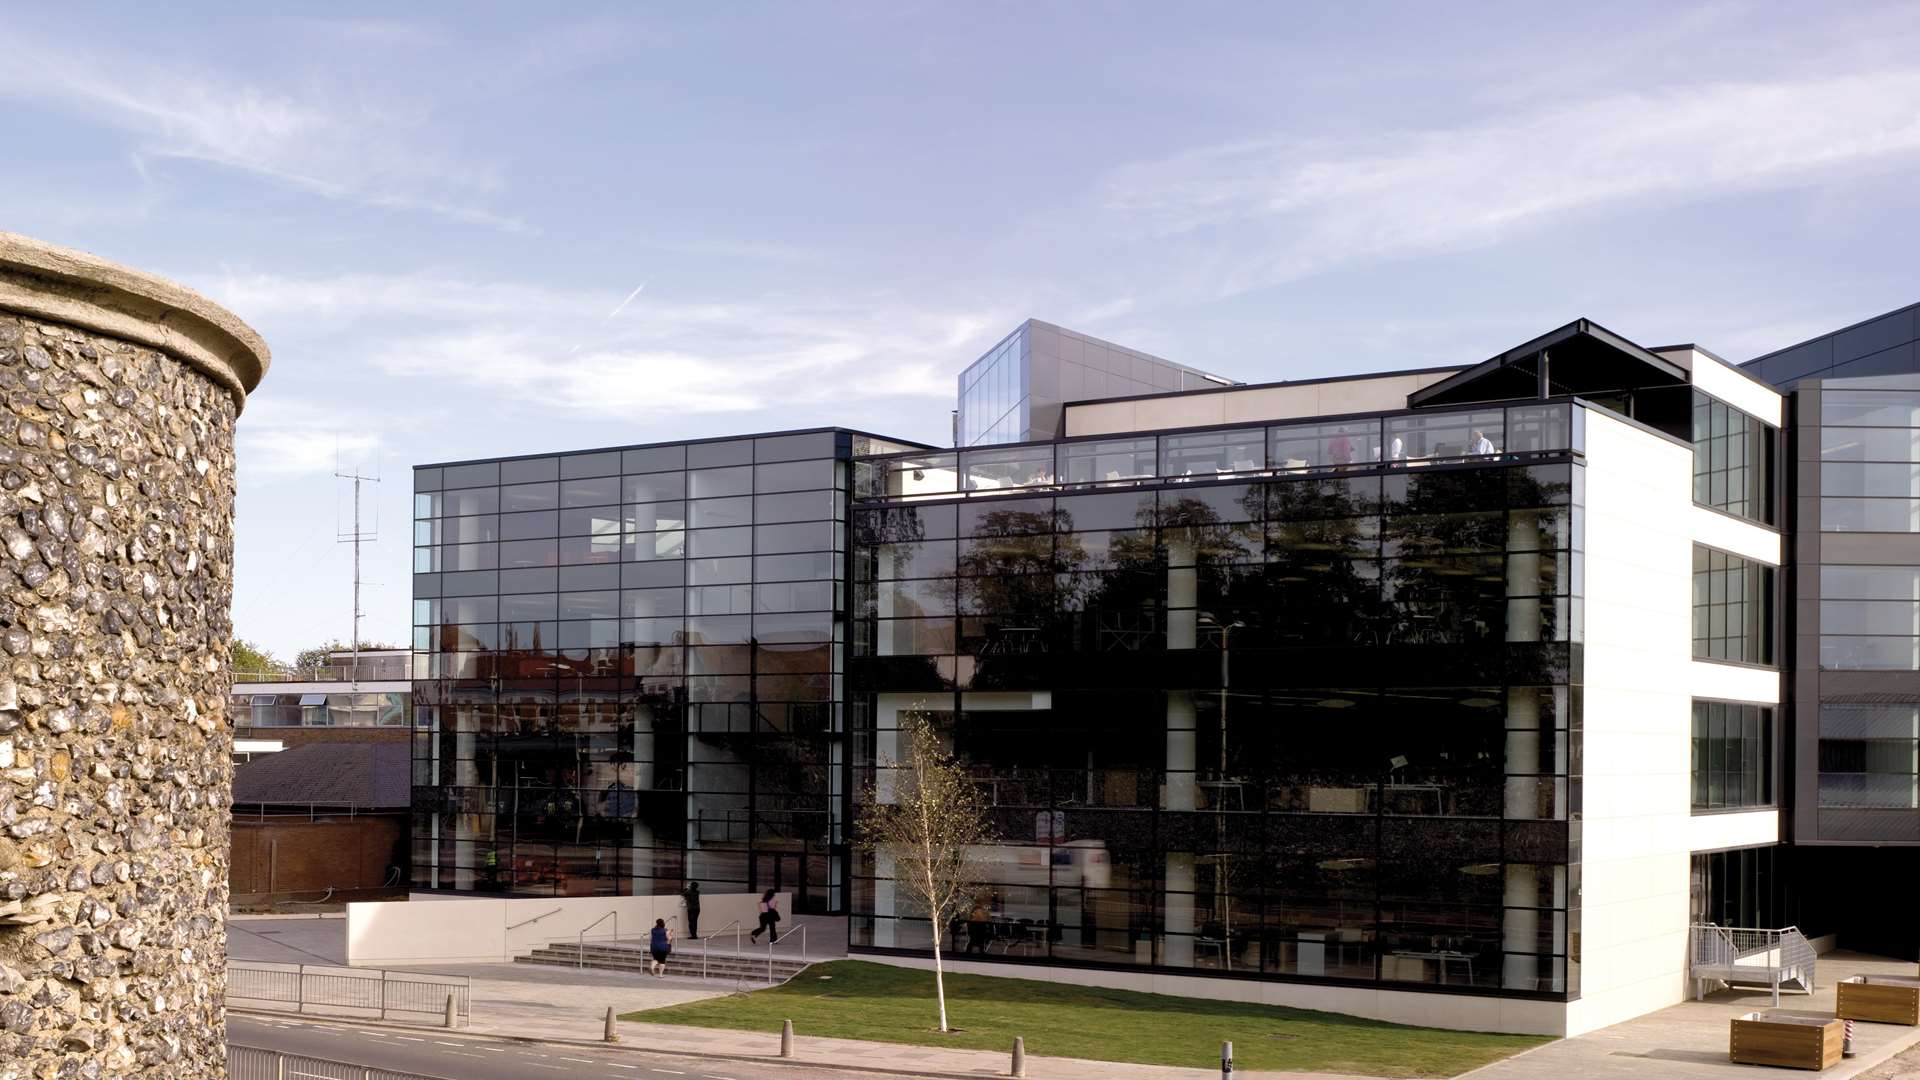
<point>1261,701</point>
<point>628,669</point>
<point>1450,689</point>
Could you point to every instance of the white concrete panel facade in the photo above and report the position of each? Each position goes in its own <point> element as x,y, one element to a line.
<point>1638,708</point>
<point>495,930</point>
<point>1731,534</point>
<point>1720,379</point>
<point>1718,832</point>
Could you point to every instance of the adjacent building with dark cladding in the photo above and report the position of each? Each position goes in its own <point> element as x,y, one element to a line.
<point>1855,752</point>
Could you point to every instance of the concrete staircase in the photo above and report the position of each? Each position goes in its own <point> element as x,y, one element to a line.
<point>723,965</point>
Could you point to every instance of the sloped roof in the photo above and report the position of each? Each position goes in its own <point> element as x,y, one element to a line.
<point>1587,358</point>
<point>370,776</point>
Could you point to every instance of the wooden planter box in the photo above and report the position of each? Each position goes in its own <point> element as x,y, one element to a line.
<point>1882,999</point>
<point>1796,1042</point>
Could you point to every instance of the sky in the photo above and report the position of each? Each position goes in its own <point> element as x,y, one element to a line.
<point>480,230</point>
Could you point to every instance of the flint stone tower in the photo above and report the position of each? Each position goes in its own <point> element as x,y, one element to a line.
<point>119,395</point>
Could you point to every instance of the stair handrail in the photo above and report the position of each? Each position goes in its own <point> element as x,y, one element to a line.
<point>797,925</point>
<point>706,943</point>
<point>535,919</point>
<point>580,955</point>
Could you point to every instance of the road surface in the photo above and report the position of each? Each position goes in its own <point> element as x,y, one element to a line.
<point>452,1056</point>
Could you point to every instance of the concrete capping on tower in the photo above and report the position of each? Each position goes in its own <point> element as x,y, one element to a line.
<point>74,288</point>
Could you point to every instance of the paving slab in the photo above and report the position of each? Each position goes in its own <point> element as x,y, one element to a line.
<point>1689,1040</point>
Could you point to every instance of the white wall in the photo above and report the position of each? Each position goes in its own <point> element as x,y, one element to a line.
<point>1738,389</point>
<point>1729,533</point>
<point>1718,832</point>
<point>1455,1011</point>
<point>1639,830</point>
<point>483,930</point>
<point>1367,393</point>
<point>1638,714</point>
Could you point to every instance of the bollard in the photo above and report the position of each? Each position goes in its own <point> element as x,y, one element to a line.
<point>451,1015</point>
<point>1226,1059</point>
<point>1846,1041</point>
<point>611,1035</point>
<point>1019,1058</point>
<point>786,1038</point>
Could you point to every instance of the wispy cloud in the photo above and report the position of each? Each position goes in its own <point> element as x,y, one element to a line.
<point>662,356</point>
<point>1263,211</point>
<point>337,146</point>
<point>281,437</point>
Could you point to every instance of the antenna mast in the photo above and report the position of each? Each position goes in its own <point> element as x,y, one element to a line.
<point>355,538</point>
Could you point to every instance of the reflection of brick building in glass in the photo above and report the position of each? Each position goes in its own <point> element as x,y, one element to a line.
<point>629,669</point>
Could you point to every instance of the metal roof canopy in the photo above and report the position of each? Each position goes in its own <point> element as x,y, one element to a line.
<point>1581,358</point>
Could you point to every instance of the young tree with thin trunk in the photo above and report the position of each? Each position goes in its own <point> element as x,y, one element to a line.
<point>929,817</point>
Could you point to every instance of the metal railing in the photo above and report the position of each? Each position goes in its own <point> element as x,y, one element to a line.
<point>706,943</point>
<point>535,919</point>
<point>582,953</point>
<point>1750,956</point>
<point>370,990</point>
<point>800,926</point>
<point>254,1063</point>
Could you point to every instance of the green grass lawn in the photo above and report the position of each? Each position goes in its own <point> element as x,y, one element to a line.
<point>849,999</point>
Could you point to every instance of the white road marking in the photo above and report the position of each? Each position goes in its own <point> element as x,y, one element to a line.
<point>408,1038</point>
<point>457,1053</point>
<point>443,1042</point>
<point>557,1068</point>
<point>580,1061</point>
<point>617,1065</point>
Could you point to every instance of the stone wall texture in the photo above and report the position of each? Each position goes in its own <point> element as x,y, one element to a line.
<point>116,558</point>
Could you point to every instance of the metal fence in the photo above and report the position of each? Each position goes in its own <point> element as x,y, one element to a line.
<point>253,1063</point>
<point>376,991</point>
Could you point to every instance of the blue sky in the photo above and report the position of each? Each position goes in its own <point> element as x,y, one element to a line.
<point>434,214</point>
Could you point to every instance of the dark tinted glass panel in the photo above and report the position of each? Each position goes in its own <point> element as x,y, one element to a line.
<point>1732,460</point>
<point>793,476</point>
<point>654,487</point>
<point>813,444</point>
<point>529,470</point>
<point>576,465</point>
<point>653,459</point>
<point>459,476</point>
<point>1732,755</point>
<point>530,497</point>
<point>704,455</point>
<point>1733,600</point>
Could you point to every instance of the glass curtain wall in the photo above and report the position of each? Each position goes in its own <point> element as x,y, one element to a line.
<point>1733,601</point>
<point>1733,460</point>
<point>993,394</point>
<point>627,667</point>
<point>1732,756</point>
<point>1870,454</point>
<point>1320,727</point>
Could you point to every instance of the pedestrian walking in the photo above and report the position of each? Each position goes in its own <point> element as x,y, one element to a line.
<point>769,919</point>
<point>660,944</point>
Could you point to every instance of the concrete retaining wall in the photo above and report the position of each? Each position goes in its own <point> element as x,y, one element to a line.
<point>492,930</point>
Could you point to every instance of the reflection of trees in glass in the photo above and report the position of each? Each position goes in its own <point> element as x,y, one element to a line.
<point>1013,565</point>
<point>1322,538</point>
<point>1448,581</point>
